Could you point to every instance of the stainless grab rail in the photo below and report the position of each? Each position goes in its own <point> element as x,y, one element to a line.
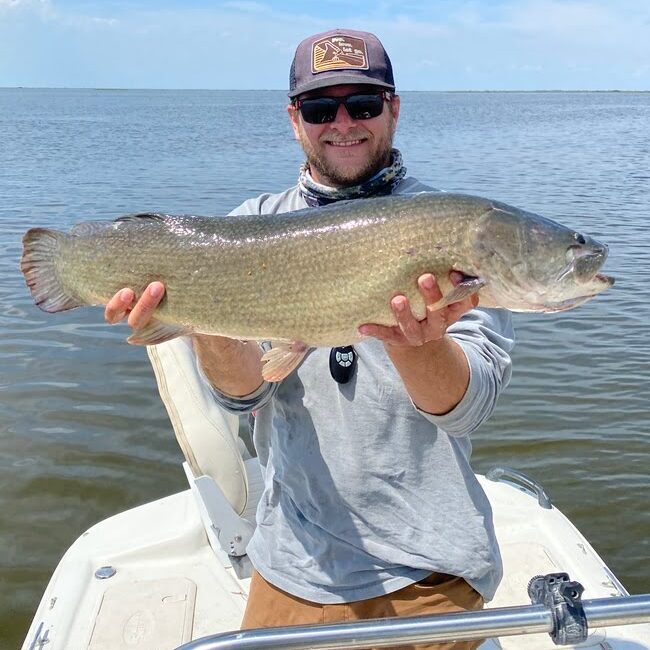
<point>498,473</point>
<point>484,624</point>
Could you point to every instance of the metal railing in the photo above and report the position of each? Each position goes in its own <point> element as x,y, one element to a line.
<point>484,624</point>
<point>497,474</point>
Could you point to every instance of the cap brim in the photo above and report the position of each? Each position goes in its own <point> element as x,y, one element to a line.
<point>339,80</point>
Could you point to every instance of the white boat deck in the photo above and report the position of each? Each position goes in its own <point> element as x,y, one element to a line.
<point>172,582</point>
<point>171,587</point>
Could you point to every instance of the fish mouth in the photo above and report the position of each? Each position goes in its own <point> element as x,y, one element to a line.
<point>607,280</point>
<point>599,282</point>
<point>584,265</point>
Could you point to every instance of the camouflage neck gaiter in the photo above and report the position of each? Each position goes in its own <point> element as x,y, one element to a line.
<point>380,184</point>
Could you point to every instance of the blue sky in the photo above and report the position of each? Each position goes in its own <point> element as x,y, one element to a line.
<point>434,45</point>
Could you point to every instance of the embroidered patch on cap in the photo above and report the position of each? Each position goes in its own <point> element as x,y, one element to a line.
<point>339,52</point>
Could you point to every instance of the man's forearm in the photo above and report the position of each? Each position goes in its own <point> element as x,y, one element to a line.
<point>232,367</point>
<point>436,374</point>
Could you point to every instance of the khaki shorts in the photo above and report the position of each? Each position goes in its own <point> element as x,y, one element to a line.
<point>438,593</point>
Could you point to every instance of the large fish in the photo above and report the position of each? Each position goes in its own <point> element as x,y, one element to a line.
<point>311,277</point>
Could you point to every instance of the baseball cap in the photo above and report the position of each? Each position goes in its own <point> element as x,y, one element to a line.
<point>339,56</point>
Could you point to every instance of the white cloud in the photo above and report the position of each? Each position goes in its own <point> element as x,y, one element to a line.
<point>245,43</point>
<point>248,7</point>
<point>39,6</point>
<point>428,63</point>
<point>525,67</point>
<point>47,11</point>
<point>558,17</point>
<point>642,71</point>
<point>82,22</point>
<point>14,4</point>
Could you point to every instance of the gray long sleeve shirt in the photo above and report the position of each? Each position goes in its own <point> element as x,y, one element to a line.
<point>364,493</point>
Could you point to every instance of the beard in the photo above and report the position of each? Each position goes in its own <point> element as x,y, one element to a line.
<point>335,175</point>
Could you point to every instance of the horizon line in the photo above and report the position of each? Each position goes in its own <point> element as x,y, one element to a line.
<point>407,90</point>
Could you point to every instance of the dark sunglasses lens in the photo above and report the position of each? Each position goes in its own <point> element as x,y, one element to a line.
<point>319,110</point>
<point>364,107</point>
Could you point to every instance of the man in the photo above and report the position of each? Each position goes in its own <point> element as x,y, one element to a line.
<point>370,507</point>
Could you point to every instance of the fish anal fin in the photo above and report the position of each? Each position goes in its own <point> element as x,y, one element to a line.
<point>283,359</point>
<point>157,332</point>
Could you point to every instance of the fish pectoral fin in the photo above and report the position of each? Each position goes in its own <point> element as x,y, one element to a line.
<point>157,332</point>
<point>468,287</point>
<point>283,359</point>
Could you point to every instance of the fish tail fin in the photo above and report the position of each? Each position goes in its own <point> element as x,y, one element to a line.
<point>41,248</point>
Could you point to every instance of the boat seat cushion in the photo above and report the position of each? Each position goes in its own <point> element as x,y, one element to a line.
<point>207,435</point>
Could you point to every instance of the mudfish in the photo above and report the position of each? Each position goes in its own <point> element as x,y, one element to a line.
<point>312,277</point>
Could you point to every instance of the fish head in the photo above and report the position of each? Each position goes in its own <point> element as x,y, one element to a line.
<point>535,264</point>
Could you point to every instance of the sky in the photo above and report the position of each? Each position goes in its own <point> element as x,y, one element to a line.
<point>249,44</point>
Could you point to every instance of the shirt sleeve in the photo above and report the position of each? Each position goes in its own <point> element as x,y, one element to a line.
<point>486,336</point>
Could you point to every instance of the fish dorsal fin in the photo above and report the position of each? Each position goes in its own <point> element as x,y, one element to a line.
<point>143,216</point>
<point>283,359</point>
<point>87,228</point>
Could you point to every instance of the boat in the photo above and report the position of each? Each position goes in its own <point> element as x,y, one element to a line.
<point>174,573</point>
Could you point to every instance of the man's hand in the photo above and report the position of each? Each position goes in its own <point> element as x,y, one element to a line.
<point>121,305</point>
<point>232,366</point>
<point>411,332</point>
<point>432,366</point>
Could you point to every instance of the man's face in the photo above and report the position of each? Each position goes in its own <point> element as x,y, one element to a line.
<point>346,152</point>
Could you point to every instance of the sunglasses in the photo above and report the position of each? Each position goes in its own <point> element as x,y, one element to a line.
<point>361,106</point>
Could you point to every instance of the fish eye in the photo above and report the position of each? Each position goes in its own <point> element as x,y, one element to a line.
<point>579,238</point>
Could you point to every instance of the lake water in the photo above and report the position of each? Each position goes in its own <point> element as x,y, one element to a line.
<point>83,433</point>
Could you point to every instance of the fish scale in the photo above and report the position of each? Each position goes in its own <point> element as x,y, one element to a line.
<point>313,276</point>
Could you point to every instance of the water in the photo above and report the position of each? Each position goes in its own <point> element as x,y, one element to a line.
<point>83,433</point>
